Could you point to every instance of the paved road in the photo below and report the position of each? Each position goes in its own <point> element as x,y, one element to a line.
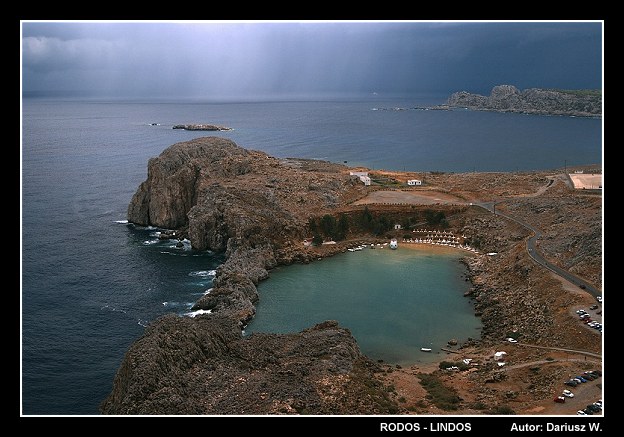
<point>537,256</point>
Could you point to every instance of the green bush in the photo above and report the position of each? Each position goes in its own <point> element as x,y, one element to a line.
<point>442,396</point>
<point>502,410</point>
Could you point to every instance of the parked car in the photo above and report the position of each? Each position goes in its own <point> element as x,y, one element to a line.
<point>584,316</point>
<point>512,340</point>
<point>581,378</point>
<point>593,307</point>
<point>581,413</point>
<point>578,380</point>
<point>568,394</point>
<point>561,400</point>
<point>599,299</point>
<point>594,372</point>
<point>597,372</point>
<point>579,312</point>
<point>593,408</point>
<point>588,412</point>
<point>589,377</point>
<point>571,383</point>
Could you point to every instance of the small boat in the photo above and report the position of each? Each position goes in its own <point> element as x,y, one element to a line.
<point>425,349</point>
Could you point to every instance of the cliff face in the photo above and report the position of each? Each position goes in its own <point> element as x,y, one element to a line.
<point>507,98</point>
<point>220,191</point>
<point>204,366</point>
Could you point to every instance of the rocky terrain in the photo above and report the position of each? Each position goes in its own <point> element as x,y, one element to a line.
<point>204,366</point>
<point>508,98</point>
<point>257,208</point>
<point>571,225</point>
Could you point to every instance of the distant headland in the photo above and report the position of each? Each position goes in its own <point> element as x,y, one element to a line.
<point>508,98</point>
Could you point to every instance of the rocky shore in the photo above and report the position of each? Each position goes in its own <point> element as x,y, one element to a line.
<point>508,98</point>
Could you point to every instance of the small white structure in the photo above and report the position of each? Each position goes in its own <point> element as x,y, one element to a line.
<point>362,175</point>
<point>397,226</point>
<point>394,243</point>
<point>498,356</point>
<point>413,182</point>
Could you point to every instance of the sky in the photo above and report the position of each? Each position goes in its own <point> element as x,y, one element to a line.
<point>278,59</point>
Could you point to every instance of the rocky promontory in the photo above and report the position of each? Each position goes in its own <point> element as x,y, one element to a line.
<point>256,209</point>
<point>204,366</point>
<point>508,98</point>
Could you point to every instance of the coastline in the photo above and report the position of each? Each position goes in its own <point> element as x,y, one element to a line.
<point>512,295</point>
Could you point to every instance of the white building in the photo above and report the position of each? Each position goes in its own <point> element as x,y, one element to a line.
<point>413,182</point>
<point>362,175</point>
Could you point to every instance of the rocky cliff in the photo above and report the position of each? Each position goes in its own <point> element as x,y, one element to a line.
<point>218,191</point>
<point>507,98</point>
<point>204,366</point>
<point>256,209</point>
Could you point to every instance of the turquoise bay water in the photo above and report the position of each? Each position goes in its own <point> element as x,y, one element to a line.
<point>393,301</point>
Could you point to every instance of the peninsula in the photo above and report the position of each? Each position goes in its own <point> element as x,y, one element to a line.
<point>261,211</point>
<point>539,101</point>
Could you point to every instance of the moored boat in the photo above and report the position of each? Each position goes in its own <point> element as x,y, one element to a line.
<point>425,349</point>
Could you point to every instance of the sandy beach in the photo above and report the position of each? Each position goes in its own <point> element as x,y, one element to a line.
<point>433,248</point>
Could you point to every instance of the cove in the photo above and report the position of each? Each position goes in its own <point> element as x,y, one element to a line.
<point>393,301</point>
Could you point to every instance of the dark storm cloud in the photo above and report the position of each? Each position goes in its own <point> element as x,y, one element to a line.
<point>212,60</point>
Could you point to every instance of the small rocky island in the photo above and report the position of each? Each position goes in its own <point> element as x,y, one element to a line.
<point>508,98</point>
<point>201,127</point>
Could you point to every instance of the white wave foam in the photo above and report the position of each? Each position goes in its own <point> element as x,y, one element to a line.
<point>207,291</point>
<point>122,222</point>
<point>143,323</point>
<point>197,313</point>
<point>203,273</point>
<point>174,304</point>
<point>148,242</point>
<point>113,309</point>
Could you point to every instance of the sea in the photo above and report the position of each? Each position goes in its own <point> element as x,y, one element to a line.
<point>91,282</point>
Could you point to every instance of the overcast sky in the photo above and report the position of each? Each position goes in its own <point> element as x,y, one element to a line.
<point>256,60</point>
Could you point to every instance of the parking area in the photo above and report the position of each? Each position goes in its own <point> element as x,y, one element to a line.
<point>581,393</point>
<point>590,316</point>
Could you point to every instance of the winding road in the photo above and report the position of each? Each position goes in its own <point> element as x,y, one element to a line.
<point>536,255</point>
